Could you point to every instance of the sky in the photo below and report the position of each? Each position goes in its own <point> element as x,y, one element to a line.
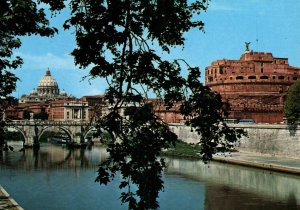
<point>270,26</point>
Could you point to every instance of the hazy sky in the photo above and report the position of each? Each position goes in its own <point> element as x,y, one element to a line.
<point>270,26</point>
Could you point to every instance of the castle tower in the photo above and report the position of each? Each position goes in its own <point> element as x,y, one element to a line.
<point>253,87</point>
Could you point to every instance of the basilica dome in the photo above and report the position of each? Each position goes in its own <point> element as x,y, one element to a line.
<point>48,80</point>
<point>47,90</point>
<point>48,85</point>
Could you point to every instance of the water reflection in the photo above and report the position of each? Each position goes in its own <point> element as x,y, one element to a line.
<point>235,187</point>
<point>53,157</point>
<point>49,173</point>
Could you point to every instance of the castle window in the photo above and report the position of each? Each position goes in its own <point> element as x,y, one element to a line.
<point>274,77</point>
<point>295,78</point>
<point>281,77</point>
<point>264,77</point>
<point>252,77</point>
<point>230,78</point>
<point>210,79</point>
<point>239,78</point>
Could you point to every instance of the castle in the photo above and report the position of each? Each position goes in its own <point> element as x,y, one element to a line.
<point>254,87</point>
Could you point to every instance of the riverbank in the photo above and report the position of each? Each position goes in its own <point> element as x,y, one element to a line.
<point>6,202</point>
<point>257,160</point>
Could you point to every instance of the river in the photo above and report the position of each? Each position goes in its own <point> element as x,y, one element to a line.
<point>55,178</point>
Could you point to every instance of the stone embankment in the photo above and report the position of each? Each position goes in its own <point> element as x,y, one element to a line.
<point>267,139</point>
<point>271,147</point>
<point>6,202</point>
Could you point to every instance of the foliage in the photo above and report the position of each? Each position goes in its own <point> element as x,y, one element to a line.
<point>292,104</point>
<point>41,116</point>
<point>26,115</point>
<point>13,136</point>
<point>105,138</point>
<point>119,39</point>
<point>18,18</point>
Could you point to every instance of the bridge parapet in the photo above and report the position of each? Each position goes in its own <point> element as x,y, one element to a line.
<point>49,123</point>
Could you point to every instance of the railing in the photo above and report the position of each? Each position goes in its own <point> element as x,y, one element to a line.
<point>48,123</point>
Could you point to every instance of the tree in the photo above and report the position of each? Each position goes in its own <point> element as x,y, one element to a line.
<point>292,104</point>
<point>120,40</point>
<point>19,18</point>
<point>26,115</point>
<point>41,116</point>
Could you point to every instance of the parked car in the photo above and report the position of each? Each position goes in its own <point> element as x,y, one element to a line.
<point>246,121</point>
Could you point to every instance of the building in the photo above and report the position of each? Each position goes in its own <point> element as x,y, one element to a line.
<point>168,115</point>
<point>47,90</point>
<point>253,87</point>
<point>68,110</point>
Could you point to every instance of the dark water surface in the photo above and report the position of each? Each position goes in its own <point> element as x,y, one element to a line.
<point>56,178</point>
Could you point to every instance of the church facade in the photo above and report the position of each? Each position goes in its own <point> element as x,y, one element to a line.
<point>254,87</point>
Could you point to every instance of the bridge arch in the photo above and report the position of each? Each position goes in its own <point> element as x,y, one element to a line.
<point>88,131</point>
<point>21,131</point>
<point>67,131</point>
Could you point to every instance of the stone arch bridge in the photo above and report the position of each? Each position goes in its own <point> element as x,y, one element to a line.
<point>33,130</point>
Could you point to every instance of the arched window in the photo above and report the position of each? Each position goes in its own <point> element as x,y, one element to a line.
<point>252,77</point>
<point>264,77</point>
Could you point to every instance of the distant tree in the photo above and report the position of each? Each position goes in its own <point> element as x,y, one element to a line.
<point>292,104</point>
<point>41,116</point>
<point>26,115</point>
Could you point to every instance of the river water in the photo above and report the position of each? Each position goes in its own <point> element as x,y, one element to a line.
<point>59,179</point>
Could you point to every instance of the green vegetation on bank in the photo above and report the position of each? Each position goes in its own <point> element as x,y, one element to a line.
<point>186,150</point>
<point>182,149</point>
<point>292,104</point>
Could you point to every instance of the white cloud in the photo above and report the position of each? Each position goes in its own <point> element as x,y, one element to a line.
<point>47,60</point>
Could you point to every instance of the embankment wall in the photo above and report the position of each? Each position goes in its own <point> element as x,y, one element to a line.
<point>279,140</point>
